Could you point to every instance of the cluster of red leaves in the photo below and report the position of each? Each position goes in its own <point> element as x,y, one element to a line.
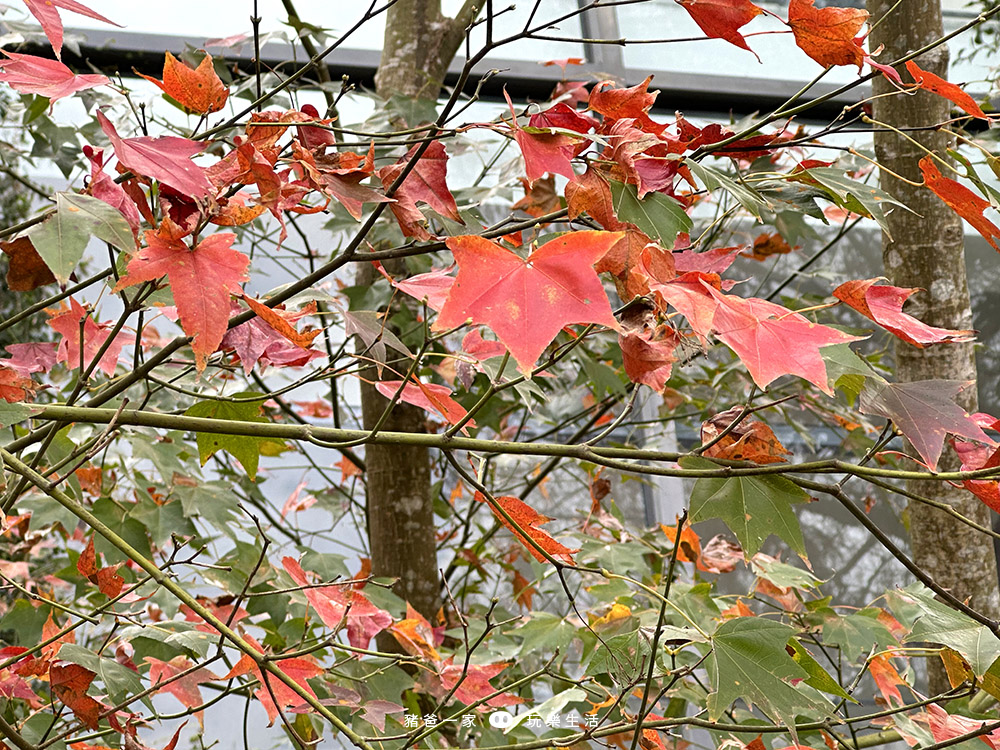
<point>746,439</point>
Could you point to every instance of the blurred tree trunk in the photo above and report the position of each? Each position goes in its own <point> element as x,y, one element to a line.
<point>926,250</point>
<point>420,43</point>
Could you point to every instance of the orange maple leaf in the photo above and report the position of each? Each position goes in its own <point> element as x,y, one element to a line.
<point>198,89</point>
<point>960,199</point>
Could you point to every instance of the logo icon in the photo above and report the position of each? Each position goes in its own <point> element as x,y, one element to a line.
<point>501,719</point>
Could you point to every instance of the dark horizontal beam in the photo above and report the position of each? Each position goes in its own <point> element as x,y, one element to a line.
<point>693,93</point>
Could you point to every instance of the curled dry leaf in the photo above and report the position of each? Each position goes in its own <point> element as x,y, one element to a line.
<point>25,268</point>
<point>749,440</point>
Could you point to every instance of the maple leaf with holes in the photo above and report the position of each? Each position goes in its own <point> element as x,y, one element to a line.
<point>523,524</point>
<point>827,34</point>
<point>198,90</point>
<point>961,200</point>
<point>69,683</point>
<point>47,14</point>
<point>722,19</point>
<point>937,85</point>
<point>335,603</point>
<point>884,305</point>
<point>434,398</point>
<point>107,579</point>
<point>49,78</point>
<point>66,320</point>
<point>185,689</point>
<point>166,159</point>
<point>528,301</point>
<point>924,411</point>
<point>201,280</point>
<point>272,693</point>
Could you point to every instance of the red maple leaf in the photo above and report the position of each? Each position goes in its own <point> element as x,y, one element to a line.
<point>772,341</point>
<point>434,398</point>
<point>884,305</point>
<point>66,320</point>
<point>634,102</point>
<point>334,603</point>
<point>938,85</point>
<point>722,19</point>
<point>544,151</point>
<point>14,387</point>
<point>69,683</point>
<point>769,339</point>
<point>523,524</point>
<point>960,199</point>
<point>272,693</point>
<point>924,411</point>
<point>107,579</point>
<point>201,280</point>
<point>185,689</point>
<point>431,287</point>
<point>472,683</point>
<point>426,182</point>
<point>167,159</point>
<point>198,90</point>
<point>47,14</point>
<point>528,301</point>
<point>33,357</point>
<point>49,78</point>
<point>827,34</point>
<point>648,356</point>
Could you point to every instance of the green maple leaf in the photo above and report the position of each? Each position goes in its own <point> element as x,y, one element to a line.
<point>749,661</point>
<point>753,507</point>
<point>244,448</point>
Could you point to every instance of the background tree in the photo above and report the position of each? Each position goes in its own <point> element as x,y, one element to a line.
<point>925,248</point>
<point>401,526</point>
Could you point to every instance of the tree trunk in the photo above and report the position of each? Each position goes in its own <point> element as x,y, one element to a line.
<point>926,250</point>
<point>419,44</point>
